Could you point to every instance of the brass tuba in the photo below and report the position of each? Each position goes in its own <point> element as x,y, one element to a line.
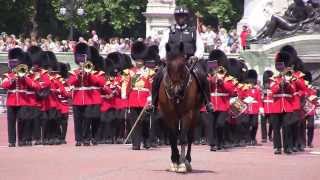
<point>21,70</point>
<point>88,67</point>
<point>237,107</point>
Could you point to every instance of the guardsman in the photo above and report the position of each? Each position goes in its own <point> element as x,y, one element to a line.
<point>301,86</point>
<point>21,97</point>
<point>283,90</point>
<point>87,81</point>
<point>139,91</point>
<point>63,104</point>
<point>222,86</point>
<point>250,94</point>
<point>268,107</point>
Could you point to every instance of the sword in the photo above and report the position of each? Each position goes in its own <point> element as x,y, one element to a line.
<point>136,122</point>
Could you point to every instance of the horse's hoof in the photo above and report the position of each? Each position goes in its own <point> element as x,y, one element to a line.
<point>188,166</point>
<point>173,167</point>
<point>182,168</point>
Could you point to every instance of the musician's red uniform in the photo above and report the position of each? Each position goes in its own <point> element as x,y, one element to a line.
<point>62,96</point>
<point>109,92</point>
<point>220,93</point>
<point>21,92</point>
<point>301,88</point>
<point>253,92</point>
<point>139,86</point>
<point>268,102</point>
<point>87,87</point>
<point>283,98</point>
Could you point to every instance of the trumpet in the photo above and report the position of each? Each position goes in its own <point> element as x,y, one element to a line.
<point>221,70</point>
<point>21,70</point>
<point>88,67</point>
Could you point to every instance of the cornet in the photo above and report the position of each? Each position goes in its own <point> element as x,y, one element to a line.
<point>21,70</point>
<point>221,71</point>
<point>88,67</point>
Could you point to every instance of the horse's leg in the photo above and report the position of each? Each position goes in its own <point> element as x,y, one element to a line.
<point>174,150</point>
<point>183,140</point>
<point>188,156</point>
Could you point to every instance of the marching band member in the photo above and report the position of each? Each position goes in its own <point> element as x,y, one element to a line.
<point>301,87</point>
<point>63,104</point>
<point>309,104</point>
<point>87,81</point>
<point>139,90</point>
<point>222,86</point>
<point>250,94</point>
<point>21,95</point>
<point>283,90</point>
<point>268,107</point>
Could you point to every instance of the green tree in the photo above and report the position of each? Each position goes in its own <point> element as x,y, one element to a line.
<point>228,12</point>
<point>118,14</point>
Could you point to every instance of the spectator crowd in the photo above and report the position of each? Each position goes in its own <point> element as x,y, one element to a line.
<point>220,38</point>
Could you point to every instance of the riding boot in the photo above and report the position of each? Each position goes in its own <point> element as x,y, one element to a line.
<point>155,89</point>
<point>203,85</point>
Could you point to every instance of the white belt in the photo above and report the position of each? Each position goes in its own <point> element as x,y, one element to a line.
<point>105,96</point>
<point>268,101</point>
<point>64,101</point>
<point>141,89</point>
<point>219,94</point>
<point>282,95</point>
<point>21,91</point>
<point>86,88</point>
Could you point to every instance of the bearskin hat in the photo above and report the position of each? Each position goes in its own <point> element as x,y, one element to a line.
<point>153,58</point>
<point>252,74</point>
<point>34,53</point>
<point>64,69</point>
<point>53,62</point>
<point>308,77</point>
<point>235,67</point>
<point>285,58</point>
<point>221,57</point>
<point>20,55</point>
<point>289,49</point>
<point>91,53</point>
<point>139,50</point>
<point>266,76</point>
<point>117,61</point>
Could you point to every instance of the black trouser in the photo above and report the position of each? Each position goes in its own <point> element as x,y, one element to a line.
<point>216,128</point>
<point>12,124</point>
<point>63,123</point>
<point>141,131</point>
<point>250,126</point>
<point>79,118</point>
<point>295,123</point>
<point>281,121</point>
<point>36,129</point>
<point>202,127</point>
<point>310,129</point>
<point>265,131</point>
<point>51,129</point>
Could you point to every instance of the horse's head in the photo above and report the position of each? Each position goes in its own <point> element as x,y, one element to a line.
<point>176,62</point>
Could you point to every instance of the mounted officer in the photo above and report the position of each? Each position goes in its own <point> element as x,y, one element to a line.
<point>194,48</point>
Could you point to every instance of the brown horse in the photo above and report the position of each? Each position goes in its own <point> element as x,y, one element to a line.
<point>179,103</point>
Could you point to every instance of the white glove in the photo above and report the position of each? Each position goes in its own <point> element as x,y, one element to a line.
<point>233,99</point>
<point>248,100</point>
<point>288,78</point>
<point>261,111</point>
<point>149,99</point>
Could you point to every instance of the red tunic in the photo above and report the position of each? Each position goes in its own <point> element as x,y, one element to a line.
<point>139,86</point>
<point>220,93</point>
<point>283,97</point>
<point>86,88</point>
<point>251,95</point>
<point>21,92</point>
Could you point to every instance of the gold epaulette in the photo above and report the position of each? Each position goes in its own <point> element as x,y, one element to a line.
<point>151,72</point>
<point>126,72</point>
<point>100,73</point>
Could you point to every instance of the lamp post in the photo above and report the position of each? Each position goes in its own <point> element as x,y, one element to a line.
<point>70,10</point>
